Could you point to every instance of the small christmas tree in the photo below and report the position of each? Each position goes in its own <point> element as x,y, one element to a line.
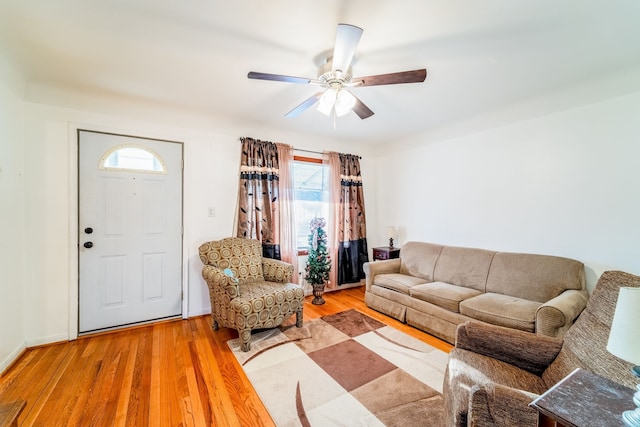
<point>318,260</point>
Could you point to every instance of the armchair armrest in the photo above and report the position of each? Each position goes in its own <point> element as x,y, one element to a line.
<point>275,270</point>
<point>380,267</point>
<point>531,352</point>
<point>554,317</point>
<point>215,277</point>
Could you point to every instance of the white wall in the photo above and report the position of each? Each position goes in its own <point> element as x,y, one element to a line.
<point>12,213</point>
<point>562,184</point>
<point>212,156</point>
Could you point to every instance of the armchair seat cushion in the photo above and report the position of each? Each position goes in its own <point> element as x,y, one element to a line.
<point>443,294</point>
<point>266,304</point>
<point>502,310</point>
<point>470,368</point>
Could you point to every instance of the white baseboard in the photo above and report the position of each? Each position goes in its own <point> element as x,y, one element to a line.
<point>200,312</point>
<point>47,340</point>
<point>11,358</point>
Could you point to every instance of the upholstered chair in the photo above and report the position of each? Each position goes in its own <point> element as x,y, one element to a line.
<point>253,293</point>
<point>494,372</point>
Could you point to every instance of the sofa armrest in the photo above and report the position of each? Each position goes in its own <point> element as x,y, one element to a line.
<point>499,405</point>
<point>554,317</point>
<point>380,267</point>
<point>275,270</point>
<point>216,278</point>
<point>531,352</point>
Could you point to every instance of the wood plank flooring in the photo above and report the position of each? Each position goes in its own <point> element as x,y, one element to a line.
<point>177,373</point>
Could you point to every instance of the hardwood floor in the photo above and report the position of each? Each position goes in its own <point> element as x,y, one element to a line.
<point>177,373</point>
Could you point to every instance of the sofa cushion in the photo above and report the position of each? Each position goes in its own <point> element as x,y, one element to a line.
<point>463,266</point>
<point>397,282</point>
<point>502,310</point>
<point>534,277</point>
<point>442,294</point>
<point>419,259</point>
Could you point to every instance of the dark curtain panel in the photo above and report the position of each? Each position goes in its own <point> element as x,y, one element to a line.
<point>258,198</point>
<point>352,224</point>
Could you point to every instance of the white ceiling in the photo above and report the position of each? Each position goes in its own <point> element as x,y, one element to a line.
<point>481,56</point>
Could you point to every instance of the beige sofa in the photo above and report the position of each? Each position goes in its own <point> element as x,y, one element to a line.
<point>435,288</point>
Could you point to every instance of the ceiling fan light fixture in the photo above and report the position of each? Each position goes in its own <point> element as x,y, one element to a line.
<point>340,101</point>
<point>327,101</point>
<point>344,103</point>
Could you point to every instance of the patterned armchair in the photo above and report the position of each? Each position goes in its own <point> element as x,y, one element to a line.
<point>494,373</point>
<point>258,296</point>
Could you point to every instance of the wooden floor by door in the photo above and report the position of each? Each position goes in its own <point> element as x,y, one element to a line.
<point>130,225</point>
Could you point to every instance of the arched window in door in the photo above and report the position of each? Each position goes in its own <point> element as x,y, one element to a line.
<point>132,157</point>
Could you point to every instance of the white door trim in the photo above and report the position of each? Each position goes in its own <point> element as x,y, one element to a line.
<point>72,147</point>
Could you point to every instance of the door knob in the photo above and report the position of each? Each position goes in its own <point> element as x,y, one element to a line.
<point>88,245</point>
<point>88,230</point>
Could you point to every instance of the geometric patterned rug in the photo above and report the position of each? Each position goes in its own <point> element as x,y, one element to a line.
<point>345,369</point>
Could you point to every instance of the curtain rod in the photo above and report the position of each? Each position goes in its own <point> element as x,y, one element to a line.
<point>306,151</point>
<point>314,152</point>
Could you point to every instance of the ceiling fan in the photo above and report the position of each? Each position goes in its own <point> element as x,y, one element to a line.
<point>335,78</point>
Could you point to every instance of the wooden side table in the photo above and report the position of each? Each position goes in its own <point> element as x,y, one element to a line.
<point>385,252</point>
<point>583,398</point>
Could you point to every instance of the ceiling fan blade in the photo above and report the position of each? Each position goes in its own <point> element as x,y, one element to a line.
<point>415,76</point>
<point>347,39</point>
<point>278,77</point>
<point>306,104</point>
<point>361,109</point>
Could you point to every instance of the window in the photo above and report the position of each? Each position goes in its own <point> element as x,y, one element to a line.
<point>311,193</point>
<point>132,158</point>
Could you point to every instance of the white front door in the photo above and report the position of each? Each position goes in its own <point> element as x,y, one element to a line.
<point>130,230</point>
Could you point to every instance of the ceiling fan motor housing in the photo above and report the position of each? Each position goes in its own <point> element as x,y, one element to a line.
<point>333,79</point>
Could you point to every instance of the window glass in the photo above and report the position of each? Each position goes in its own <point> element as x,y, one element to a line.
<point>133,158</point>
<point>311,195</point>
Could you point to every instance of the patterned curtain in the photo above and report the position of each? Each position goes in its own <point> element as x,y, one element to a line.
<point>258,196</point>
<point>350,225</point>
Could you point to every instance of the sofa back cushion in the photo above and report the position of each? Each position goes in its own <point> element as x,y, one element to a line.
<point>466,267</point>
<point>534,277</point>
<point>419,259</point>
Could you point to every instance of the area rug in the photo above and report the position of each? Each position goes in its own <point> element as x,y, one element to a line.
<point>345,369</point>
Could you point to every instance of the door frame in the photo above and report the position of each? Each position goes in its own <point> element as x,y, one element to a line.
<point>74,235</point>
